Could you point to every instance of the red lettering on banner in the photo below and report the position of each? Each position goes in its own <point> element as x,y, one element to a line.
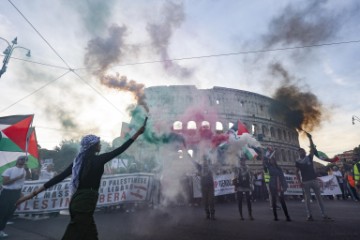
<point>123,196</point>
<point>109,197</point>
<point>101,198</point>
<point>116,197</point>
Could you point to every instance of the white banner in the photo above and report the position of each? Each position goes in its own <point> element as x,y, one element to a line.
<point>222,183</point>
<point>114,189</point>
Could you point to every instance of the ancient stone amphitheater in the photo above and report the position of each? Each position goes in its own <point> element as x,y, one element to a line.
<point>186,109</point>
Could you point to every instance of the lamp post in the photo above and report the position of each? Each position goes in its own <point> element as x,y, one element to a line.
<point>355,118</point>
<point>8,51</point>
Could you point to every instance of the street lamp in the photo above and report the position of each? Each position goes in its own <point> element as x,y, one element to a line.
<point>355,118</point>
<point>8,51</point>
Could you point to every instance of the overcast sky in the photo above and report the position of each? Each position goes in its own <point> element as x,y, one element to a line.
<point>255,45</point>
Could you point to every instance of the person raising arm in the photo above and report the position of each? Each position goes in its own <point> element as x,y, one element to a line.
<point>86,170</point>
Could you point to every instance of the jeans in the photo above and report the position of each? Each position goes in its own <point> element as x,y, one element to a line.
<point>314,185</point>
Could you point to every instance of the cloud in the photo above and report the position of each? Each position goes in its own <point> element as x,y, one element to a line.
<point>333,76</point>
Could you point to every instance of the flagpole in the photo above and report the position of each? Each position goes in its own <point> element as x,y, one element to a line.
<point>28,135</point>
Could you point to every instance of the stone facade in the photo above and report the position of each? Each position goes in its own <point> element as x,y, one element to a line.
<point>224,106</point>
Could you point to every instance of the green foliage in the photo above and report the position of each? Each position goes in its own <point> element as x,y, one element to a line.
<point>66,154</point>
<point>357,153</point>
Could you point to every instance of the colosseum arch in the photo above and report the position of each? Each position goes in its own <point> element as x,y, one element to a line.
<point>265,130</point>
<point>205,124</point>
<point>177,125</point>
<point>290,137</point>
<point>289,156</point>
<point>295,155</point>
<point>279,134</point>
<point>283,155</point>
<point>255,129</point>
<point>191,125</point>
<point>219,127</point>
<point>272,132</point>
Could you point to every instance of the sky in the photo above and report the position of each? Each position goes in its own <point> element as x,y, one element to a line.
<point>261,46</point>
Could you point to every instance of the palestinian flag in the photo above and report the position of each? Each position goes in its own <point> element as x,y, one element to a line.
<point>323,156</point>
<point>17,138</point>
<point>239,128</point>
<point>249,153</point>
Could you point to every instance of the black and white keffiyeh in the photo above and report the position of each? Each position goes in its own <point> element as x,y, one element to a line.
<point>86,143</point>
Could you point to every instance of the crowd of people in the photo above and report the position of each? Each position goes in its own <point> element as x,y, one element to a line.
<point>88,167</point>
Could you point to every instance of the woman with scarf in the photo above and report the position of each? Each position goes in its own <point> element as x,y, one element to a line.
<point>277,184</point>
<point>86,170</point>
<point>243,185</point>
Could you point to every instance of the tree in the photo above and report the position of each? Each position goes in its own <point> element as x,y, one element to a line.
<point>357,153</point>
<point>66,153</point>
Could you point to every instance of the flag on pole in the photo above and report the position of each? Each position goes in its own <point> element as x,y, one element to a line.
<point>17,138</point>
<point>249,153</point>
<point>321,155</point>
<point>239,128</point>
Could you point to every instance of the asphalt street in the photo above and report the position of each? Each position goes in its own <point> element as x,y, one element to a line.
<point>185,223</point>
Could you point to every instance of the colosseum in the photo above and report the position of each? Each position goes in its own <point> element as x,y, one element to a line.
<point>167,105</point>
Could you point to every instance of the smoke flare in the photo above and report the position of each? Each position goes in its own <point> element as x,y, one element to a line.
<point>104,52</point>
<point>299,109</point>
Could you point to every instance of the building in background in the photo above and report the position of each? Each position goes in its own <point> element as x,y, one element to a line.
<point>196,113</point>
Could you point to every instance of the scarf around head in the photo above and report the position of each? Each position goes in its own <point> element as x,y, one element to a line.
<point>86,143</point>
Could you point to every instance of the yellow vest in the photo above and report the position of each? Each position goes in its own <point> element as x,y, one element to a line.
<point>357,172</point>
<point>266,176</point>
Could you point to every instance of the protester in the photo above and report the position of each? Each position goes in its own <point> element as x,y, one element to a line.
<point>207,186</point>
<point>267,184</point>
<point>339,176</point>
<point>356,170</point>
<point>258,182</point>
<point>308,180</point>
<point>87,170</point>
<point>35,174</point>
<point>48,172</point>
<point>13,181</point>
<point>243,185</point>
<point>349,176</point>
<point>277,184</point>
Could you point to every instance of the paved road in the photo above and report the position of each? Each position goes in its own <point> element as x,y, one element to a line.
<point>185,223</point>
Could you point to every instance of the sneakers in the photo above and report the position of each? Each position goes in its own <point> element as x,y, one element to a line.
<point>310,219</point>
<point>288,219</point>
<point>3,234</point>
<point>328,219</point>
